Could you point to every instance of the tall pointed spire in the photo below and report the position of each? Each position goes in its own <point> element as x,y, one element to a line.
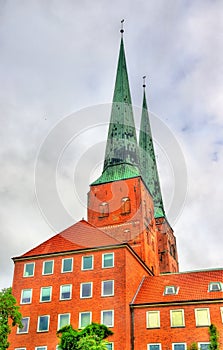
<point>148,164</point>
<point>121,155</point>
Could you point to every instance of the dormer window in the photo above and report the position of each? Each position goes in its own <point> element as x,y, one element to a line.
<point>125,206</point>
<point>170,290</point>
<point>103,210</point>
<point>215,286</point>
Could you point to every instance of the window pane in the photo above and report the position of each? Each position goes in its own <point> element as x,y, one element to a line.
<point>86,290</point>
<point>153,319</point>
<point>107,288</point>
<point>64,320</point>
<point>109,346</point>
<point>26,296</point>
<point>67,265</point>
<point>85,319</point>
<point>179,346</point>
<point>108,260</point>
<point>202,317</point>
<point>29,270</point>
<point>25,322</point>
<point>177,318</point>
<point>45,294</point>
<point>41,348</point>
<point>107,318</point>
<point>154,347</point>
<point>65,292</point>
<point>48,267</point>
<point>43,323</point>
<point>204,346</point>
<point>87,262</point>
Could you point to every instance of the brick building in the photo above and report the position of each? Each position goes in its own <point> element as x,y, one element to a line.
<point>120,267</point>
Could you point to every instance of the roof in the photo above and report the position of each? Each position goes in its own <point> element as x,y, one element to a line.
<point>191,286</point>
<point>78,236</point>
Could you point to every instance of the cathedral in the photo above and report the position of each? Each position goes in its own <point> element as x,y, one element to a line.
<point>120,266</point>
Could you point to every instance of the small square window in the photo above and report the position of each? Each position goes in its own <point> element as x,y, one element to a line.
<point>107,318</point>
<point>202,317</point>
<point>169,290</point>
<point>45,294</point>
<point>63,320</point>
<point>177,318</point>
<point>87,262</point>
<point>179,346</point>
<point>86,290</point>
<point>26,296</point>
<point>84,319</point>
<point>107,288</point>
<point>110,346</point>
<point>41,348</point>
<point>29,270</point>
<point>43,323</point>
<point>67,265</point>
<point>153,319</point>
<point>203,346</point>
<point>65,292</point>
<point>215,287</point>
<point>48,267</point>
<point>25,328</point>
<point>108,260</point>
<point>154,346</point>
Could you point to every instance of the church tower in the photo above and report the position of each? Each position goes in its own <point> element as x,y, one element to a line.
<point>125,201</point>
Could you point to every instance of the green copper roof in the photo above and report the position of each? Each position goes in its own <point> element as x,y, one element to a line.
<point>121,155</point>
<point>148,161</point>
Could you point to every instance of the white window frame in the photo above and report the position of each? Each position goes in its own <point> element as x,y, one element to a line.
<point>72,265</point>
<point>112,344</point>
<point>50,273</point>
<point>38,323</point>
<point>108,267</point>
<point>59,315</point>
<point>221,311</point>
<point>82,263</point>
<point>173,288</point>
<point>147,318</point>
<point>81,313</point>
<point>196,318</point>
<point>24,271</point>
<point>81,290</point>
<point>18,329</point>
<point>20,348</point>
<point>112,312</point>
<point>42,347</point>
<point>102,288</point>
<point>171,321</point>
<point>61,287</point>
<point>203,342</point>
<point>180,343</point>
<point>45,301</point>
<point>211,284</point>
<point>159,344</point>
<point>29,302</point>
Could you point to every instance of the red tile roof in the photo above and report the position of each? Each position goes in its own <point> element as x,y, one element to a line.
<point>78,236</point>
<point>191,286</point>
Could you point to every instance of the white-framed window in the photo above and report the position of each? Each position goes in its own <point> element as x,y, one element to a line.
<point>202,317</point>
<point>87,262</point>
<point>20,348</point>
<point>179,346</point>
<point>48,267</point>
<point>170,290</point>
<point>153,319</point>
<point>86,290</point>
<point>65,291</point>
<point>203,346</point>
<point>177,318</point>
<point>107,288</point>
<point>25,328</point>
<point>108,260</point>
<point>107,318</point>
<point>221,311</point>
<point>63,320</point>
<point>110,346</point>
<point>154,346</point>
<point>26,296</point>
<point>43,323</point>
<point>67,265</point>
<point>41,348</point>
<point>215,287</point>
<point>29,270</point>
<point>85,319</point>
<point>45,294</point>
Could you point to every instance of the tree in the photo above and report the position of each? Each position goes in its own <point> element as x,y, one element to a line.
<point>8,311</point>
<point>214,344</point>
<point>91,337</point>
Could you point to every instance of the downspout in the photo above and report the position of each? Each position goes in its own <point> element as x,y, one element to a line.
<point>132,329</point>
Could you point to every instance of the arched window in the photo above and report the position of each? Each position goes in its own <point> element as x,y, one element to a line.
<point>103,210</point>
<point>125,205</point>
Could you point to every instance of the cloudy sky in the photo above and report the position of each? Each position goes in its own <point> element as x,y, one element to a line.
<point>57,70</point>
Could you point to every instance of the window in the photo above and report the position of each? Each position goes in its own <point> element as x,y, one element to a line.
<point>179,346</point>
<point>26,296</point>
<point>103,210</point>
<point>43,323</point>
<point>63,320</point>
<point>169,290</point>
<point>41,348</point>
<point>86,290</point>
<point>215,287</point>
<point>65,292</point>
<point>153,319</point>
<point>125,206</point>
<point>202,317</point>
<point>48,267</point>
<point>221,310</point>
<point>177,318</point>
<point>203,346</point>
<point>107,288</point>
<point>25,328</point>
<point>110,346</point>
<point>155,346</point>
<point>67,265</point>
<point>84,319</point>
<point>87,262</point>
<point>108,260</point>
<point>45,294</point>
<point>20,348</point>
<point>29,270</point>
<point>107,318</point>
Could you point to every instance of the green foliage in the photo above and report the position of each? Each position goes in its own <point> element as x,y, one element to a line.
<point>214,344</point>
<point>8,311</point>
<point>91,337</point>
<point>194,346</point>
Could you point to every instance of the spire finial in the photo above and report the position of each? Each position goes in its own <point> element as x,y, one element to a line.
<point>144,81</point>
<point>122,30</point>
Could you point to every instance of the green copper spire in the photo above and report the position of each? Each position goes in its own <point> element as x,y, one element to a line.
<point>148,160</point>
<point>121,155</point>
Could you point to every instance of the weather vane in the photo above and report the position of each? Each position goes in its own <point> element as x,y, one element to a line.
<point>144,81</point>
<point>122,30</point>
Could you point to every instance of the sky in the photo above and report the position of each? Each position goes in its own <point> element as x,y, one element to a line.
<point>57,71</point>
